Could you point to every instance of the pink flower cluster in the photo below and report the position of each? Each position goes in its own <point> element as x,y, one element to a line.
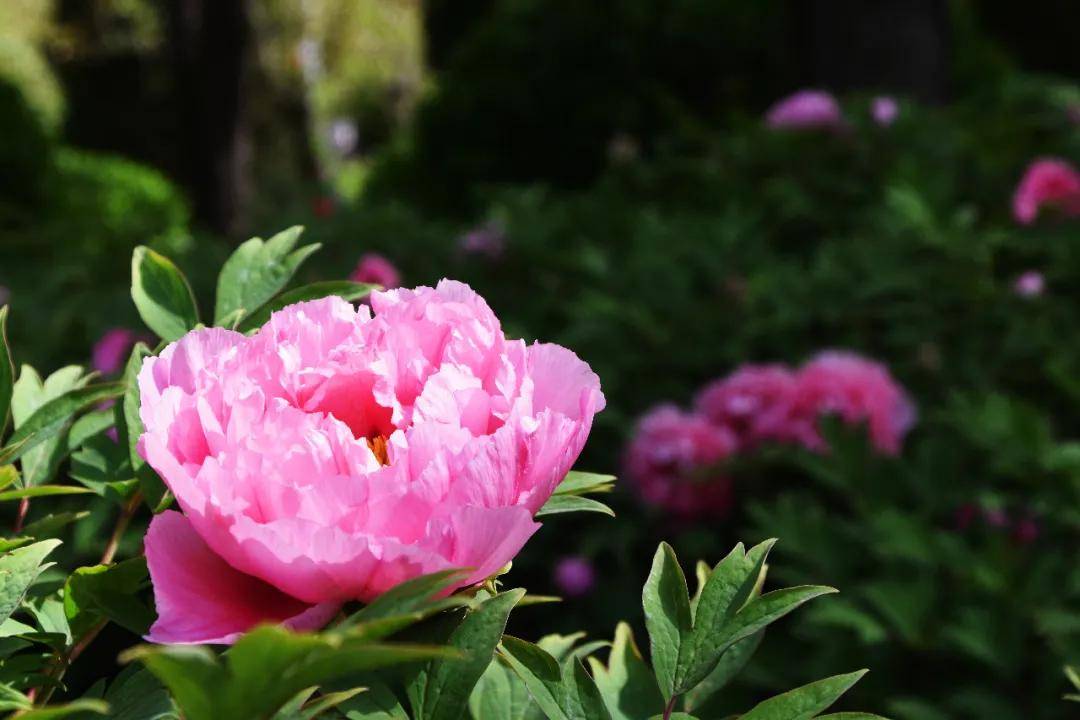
<point>675,457</point>
<point>1047,183</point>
<point>340,451</point>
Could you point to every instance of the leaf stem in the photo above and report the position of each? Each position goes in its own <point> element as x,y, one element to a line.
<point>20,517</point>
<point>670,707</point>
<point>121,525</point>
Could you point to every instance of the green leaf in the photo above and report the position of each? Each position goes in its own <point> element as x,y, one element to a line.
<point>162,295</point>
<point>563,692</point>
<point>731,662</point>
<point>581,483</point>
<point>49,525</point>
<point>767,609</point>
<point>573,503</point>
<point>136,694</point>
<point>666,601</point>
<point>409,598</point>
<point>258,270</point>
<point>627,684</point>
<point>804,702</point>
<point>725,591</point>
<point>345,289</point>
<point>7,372</point>
<point>850,716</point>
<point>501,695</point>
<point>43,491</point>
<point>30,394</point>
<point>50,421</point>
<point>109,591</point>
<point>448,684</point>
<point>18,570</point>
<point>90,425</point>
<point>130,428</point>
<point>101,464</point>
<point>265,669</point>
<point>98,707</point>
<point>376,703</point>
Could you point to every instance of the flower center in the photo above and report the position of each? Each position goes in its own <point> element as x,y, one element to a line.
<point>377,445</point>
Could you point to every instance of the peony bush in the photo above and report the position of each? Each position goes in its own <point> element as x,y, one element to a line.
<point>315,506</point>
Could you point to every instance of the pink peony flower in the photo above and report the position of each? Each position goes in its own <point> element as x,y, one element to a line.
<point>1048,182</point>
<point>1030,284</point>
<point>755,401</point>
<point>376,269</point>
<point>338,452</point>
<point>884,109</point>
<point>112,349</point>
<point>671,461</point>
<point>806,110</point>
<point>575,576</point>
<point>857,390</point>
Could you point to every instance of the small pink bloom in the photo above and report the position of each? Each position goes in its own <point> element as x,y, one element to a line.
<point>338,452</point>
<point>112,350</point>
<point>487,240</point>
<point>857,390</point>
<point>1030,284</point>
<point>755,401</point>
<point>672,462</point>
<point>575,576</point>
<point>1048,182</point>
<point>377,270</point>
<point>996,518</point>
<point>806,110</point>
<point>884,109</point>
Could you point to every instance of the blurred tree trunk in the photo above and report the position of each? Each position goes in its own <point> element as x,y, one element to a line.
<point>210,48</point>
<point>892,45</point>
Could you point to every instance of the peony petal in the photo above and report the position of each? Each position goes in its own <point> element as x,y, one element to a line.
<point>201,599</point>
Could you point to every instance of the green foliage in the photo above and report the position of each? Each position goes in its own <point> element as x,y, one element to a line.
<point>256,272</point>
<point>162,295</point>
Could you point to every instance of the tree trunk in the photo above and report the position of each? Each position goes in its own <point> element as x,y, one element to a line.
<point>210,47</point>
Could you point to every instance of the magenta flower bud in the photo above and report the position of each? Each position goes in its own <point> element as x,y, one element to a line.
<point>1047,183</point>
<point>575,576</point>
<point>376,269</point>
<point>1029,284</point>
<point>806,110</point>
<point>1026,531</point>
<point>884,109</point>
<point>112,350</point>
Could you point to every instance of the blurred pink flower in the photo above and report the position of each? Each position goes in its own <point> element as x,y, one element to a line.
<point>755,401</point>
<point>323,206</point>
<point>1026,530</point>
<point>884,109</point>
<point>1048,182</point>
<point>806,110</point>
<point>1029,284</point>
<point>856,390</point>
<point>488,240</point>
<point>112,349</point>
<point>671,460</point>
<point>338,452</point>
<point>1072,112</point>
<point>575,576</point>
<point>376,269</point>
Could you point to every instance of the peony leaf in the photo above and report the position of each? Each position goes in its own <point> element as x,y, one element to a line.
<point>162,295</point>
<point>43,491</point>
<point>345,289</point>
<point>40,464</point>
<point>446,685</point>
<point>266,668</point>
<point>558,504</point>
<point>256,271</point>
<point>109,591</point>
<point>806,701</point>
<point>7,372</point>
<point>563,692</point>
<point>377,702</point>
<point>732,661</point>
<point>582,483</point>
<point>408,602</point>
<point>18,570</point>
<point>136,694</point>
<point>130,428</point>
<point>54,418</point>
<point>666,601</point>
<point>501,695</point>
<point>627,683</point>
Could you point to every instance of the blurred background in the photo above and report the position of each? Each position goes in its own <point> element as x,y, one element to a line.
<point>675,189</point>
